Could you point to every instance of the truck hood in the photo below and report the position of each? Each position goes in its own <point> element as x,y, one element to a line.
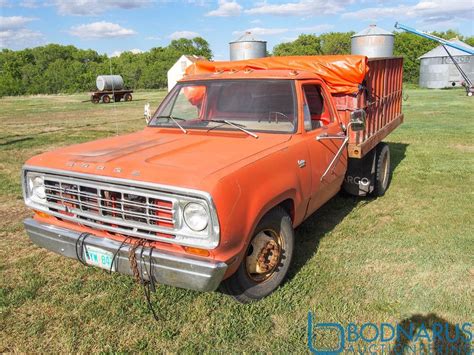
<point>161,156</point>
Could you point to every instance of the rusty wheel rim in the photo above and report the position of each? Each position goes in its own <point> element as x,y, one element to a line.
<point>264,255</point>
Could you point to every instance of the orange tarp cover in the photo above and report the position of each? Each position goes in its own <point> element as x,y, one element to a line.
<point>342,73</point>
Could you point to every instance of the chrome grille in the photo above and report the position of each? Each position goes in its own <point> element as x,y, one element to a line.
<point>115,208</point>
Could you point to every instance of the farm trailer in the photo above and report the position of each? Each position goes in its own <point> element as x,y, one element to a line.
<point>110,87</point>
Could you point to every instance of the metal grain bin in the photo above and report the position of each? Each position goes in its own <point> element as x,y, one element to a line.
<point>109,82</point>
<point>247,47</point>
<point>373,42</point>
<point>438,71</point>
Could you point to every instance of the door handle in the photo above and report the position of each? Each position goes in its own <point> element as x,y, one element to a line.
<point>339,135</point>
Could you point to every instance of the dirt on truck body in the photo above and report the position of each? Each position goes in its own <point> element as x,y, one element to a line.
<point>235,157</point>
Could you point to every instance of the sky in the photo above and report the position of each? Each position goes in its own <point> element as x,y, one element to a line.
<point>114,26</point>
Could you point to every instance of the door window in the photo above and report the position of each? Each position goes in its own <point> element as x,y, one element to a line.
<point>317,111</point>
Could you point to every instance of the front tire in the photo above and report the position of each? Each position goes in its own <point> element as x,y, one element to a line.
<point>267,259</point>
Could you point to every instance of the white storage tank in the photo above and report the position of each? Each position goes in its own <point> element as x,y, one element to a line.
<point>247,47</point>
<point>373,42</point>
<point>109,82</point>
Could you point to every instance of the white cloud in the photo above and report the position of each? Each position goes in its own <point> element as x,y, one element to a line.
<point>315,28</point>
<point>260,31</point>
<point>20,38</point>
<point>14,22</point>
<point>94,7</point>
<point>14,34</point>
<point>300,8</point>
<point>5,3</point>
<point>427,11</point>
<point>256,21</point>
<point>30,4</point>
<point>100,29</point>
<point>183,34</point>
<point>194,2</point>
<point>226,9</point>
<point>118,53</point>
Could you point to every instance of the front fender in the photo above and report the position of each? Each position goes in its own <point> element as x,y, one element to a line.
<point>252,191</point>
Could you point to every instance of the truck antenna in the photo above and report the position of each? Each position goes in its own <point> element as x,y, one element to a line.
<point>113,96</point>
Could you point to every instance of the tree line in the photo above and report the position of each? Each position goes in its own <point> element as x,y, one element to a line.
<point>55,68</point>
<point>66,69</point>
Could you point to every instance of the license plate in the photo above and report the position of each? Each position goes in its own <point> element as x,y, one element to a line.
<point>98,257</point>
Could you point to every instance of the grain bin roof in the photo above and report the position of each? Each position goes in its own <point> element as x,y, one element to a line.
<point>440,51</point>
<point>373,30</point>
<point>247,37</point>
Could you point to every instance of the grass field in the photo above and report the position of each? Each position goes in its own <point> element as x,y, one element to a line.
<point>405,257</point>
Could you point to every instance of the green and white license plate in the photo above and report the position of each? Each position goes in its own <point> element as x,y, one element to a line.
<point>98,257</point>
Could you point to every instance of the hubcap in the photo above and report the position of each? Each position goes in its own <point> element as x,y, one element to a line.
<point>264,255</point>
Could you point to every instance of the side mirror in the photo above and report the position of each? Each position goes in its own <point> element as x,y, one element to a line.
<point>358,118</point>
<point>147,112</point>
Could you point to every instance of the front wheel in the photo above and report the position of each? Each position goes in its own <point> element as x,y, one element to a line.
<point>267,259</point>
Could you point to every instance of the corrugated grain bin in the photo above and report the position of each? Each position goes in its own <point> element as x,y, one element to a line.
<point>247,47</point>
<point>438,71</point>
<point>373,42</point>
<point>109,82</point>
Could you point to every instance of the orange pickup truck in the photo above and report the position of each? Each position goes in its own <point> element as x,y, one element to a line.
<point>235,157</point>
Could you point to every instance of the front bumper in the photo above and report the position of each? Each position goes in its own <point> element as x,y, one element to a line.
<point>168,268</point>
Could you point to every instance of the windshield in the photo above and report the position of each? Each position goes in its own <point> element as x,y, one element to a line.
<point>255,105</point>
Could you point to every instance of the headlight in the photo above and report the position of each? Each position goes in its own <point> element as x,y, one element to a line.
<point>196,216</point>
<point>36,188</point>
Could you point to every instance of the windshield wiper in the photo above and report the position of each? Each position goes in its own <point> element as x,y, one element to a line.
<point>236,125</point>
<point>175,121</point>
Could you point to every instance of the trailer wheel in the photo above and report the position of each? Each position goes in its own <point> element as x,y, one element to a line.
<point>94,99</point>
<point>267,260</point>
<point>383,171</point>
<point>128,97</point>
<point>105,99</point>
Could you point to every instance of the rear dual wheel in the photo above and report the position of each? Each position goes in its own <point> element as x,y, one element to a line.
<point>383,172</point>
<point>370,174</point>
<point>267,260</point>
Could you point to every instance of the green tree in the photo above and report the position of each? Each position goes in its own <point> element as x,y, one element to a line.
<point>303,45</point>
<point>55,68</point>
<point>195,46</point>
<point>470,41</point>
<point>336,42</point>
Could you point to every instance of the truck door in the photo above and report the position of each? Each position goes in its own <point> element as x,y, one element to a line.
<point>321,120</point>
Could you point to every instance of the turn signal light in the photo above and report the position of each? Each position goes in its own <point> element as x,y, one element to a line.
<point>42,214</point>
<point>197,251</point>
